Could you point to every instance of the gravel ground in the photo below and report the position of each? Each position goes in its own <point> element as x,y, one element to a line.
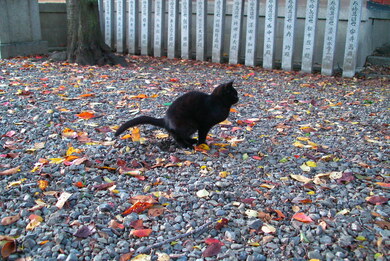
<point>299,171</point>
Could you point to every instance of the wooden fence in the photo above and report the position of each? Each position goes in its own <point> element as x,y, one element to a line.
<point>176,28</point>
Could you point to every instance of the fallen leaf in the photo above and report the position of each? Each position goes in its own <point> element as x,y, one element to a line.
<point>35,221</point>
<point>383,185</point>
<point>268,229</point>
<point>141,232</point>
<point>144,199</point>
<point>10,220</point>
<point>202,193</point>
<point>302,217</point>
<point>301,178</point>
<point>377,200</point>
<point>85,115</point>
<point>137,208</point>
<point>62,199</point>
<point>142,257</point>
<point>43,184</point>
<point>214,247</point>
<point>85,231</point>
<point>10,171</point>
<point>115,224</point>
<point>8,247</point>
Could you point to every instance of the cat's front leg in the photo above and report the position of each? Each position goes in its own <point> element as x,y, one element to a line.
<point>202,133</point>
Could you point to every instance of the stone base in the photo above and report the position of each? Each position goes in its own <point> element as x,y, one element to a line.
<point>378,60</point>
<point>8,50</point>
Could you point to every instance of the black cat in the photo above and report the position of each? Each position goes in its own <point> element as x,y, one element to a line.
<point>191,112</point>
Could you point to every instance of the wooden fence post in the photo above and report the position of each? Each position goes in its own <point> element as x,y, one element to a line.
<point>146,8</point>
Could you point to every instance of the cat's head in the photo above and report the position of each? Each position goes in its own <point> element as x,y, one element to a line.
<point>227,92</point>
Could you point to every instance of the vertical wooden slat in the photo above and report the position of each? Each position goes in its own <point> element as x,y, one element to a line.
<point>218,30</point>
<point>288,35</point>
<point>236,31</point>
<point>186,17</point>
<point>173,6</point>
<point>309,35</point>
<point>132,27</point>
<point>251,32</point>
<point>201,29</point>
<point>271,11</point>
<point>159,27</point>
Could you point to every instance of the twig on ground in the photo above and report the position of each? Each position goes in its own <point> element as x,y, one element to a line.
<point>199,229</point>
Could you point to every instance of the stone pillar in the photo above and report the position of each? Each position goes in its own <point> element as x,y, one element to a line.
<point>332,18</point>
<point>173,6</point>
<point>201,29</point>
<point>120,27</point>
<point>108,21</point>
<point>288,35</point>
<point>218,30</point>
<point>186,17</point>
<point>159,25</point>
<point>352,40</point>
<point>271,12</point>
<point>251,32</point>
<point>310,35</point>
<point>132,27</point>
<point>236,31</point>
<point>20,29</point>
<point>146,8</point>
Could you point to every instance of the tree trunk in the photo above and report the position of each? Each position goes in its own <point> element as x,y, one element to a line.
<point>85,40</point>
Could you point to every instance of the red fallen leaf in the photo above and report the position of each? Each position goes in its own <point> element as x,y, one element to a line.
<point>126,257</point>
<point>116,225</point>
<point>10,171</point>
<point>87,95</point>
<point>104,129</point>
<point>377,200</point>
<point>174,80</point>
<point>137,224</point>
<point>302,217</point>
<point>8,248</point>
<point>143,199</point>
<point>221,223</point>
<point>257,158</point>
<point>9,134</point>
<point>214,247</point>
<point>156,211</point>
<point>210,241</point>
<point>346,178</point>
<point>104,186</point>
<point>137,208</point>
<point>141,232</point>
<point>280,214</point>
<point>383,184</point>
<point>85,115</point>
<point>139,96</point>
<point>85,231</point>
<point>248,200</point>
<point>79,184</point>
<point>174,159</point>
<point>121,163</point>
<point>10,155</point>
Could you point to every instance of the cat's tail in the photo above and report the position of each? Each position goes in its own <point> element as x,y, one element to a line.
<point>159,122</point>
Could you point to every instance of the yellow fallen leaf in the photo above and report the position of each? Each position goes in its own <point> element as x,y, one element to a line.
<point>311,164</point>
<point>56,160</point>
<point>303,138</point>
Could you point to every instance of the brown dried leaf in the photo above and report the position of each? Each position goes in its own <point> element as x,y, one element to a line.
<point>10,171</point>
<point>10,220</point>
